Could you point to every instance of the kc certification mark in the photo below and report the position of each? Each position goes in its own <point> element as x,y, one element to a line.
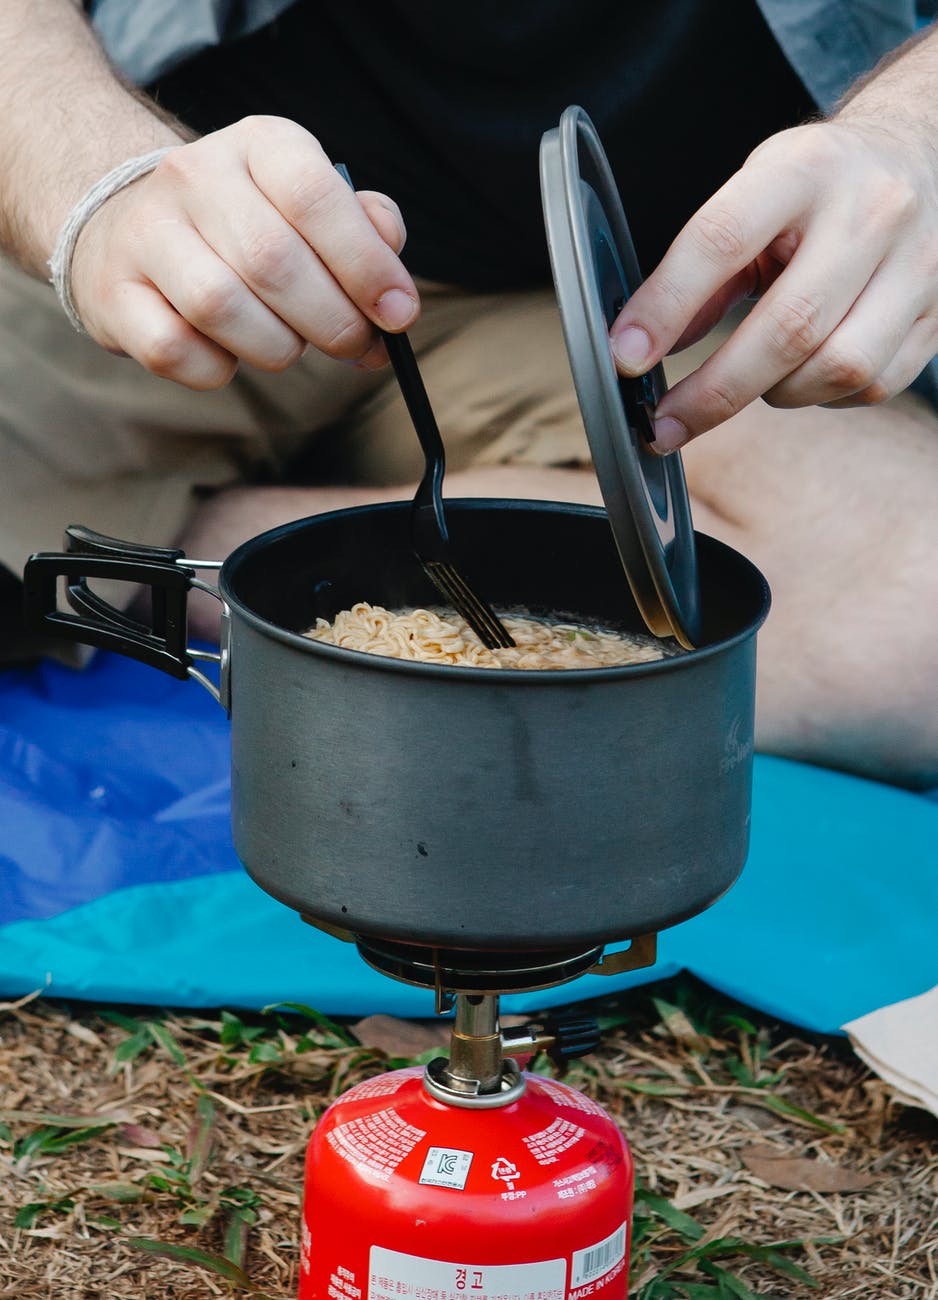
<point>446,1167</point>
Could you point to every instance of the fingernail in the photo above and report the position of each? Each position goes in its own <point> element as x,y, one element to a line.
<point>632,348</point>
<point>669,435</point>
<point>396,309</point>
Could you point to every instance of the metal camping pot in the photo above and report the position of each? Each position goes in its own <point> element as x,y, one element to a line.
<point>461,807</point>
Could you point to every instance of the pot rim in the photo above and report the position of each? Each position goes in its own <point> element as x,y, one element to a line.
<point>551,677</point>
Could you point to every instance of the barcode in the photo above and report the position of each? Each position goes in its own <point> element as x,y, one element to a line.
<point>596,1260</point>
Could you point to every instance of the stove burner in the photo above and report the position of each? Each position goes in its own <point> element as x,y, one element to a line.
<point>474,971</point>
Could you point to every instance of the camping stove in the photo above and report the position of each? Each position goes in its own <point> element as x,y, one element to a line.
<point>471,1179</point>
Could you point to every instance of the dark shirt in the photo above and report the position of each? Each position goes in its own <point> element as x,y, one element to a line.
<point>443,107</point>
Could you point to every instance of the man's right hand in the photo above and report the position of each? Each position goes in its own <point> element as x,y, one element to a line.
<point>245,244</point>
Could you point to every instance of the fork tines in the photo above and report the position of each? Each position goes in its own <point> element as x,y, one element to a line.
<point>481,617</point>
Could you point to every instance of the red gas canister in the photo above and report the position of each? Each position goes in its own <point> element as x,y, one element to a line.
<point>408,1197</point>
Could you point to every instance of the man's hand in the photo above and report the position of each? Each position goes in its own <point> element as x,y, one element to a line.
<point>835,226</point>
<point>245,244</point>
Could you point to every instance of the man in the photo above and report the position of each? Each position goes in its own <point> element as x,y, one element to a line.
<point>241,267</point>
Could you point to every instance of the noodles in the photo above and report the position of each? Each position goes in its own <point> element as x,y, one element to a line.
<point>423,635</point>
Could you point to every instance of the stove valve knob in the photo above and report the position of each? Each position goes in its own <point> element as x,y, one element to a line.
<point>562,1037</point>
<point>573,1036</point>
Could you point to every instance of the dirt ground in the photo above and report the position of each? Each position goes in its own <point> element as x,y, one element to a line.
<point>160,1154</point>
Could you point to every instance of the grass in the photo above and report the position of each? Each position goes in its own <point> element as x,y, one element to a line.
<point>164,1150</point>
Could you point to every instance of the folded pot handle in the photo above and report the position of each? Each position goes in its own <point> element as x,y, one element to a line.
<point>161,644</point>
<point>80,540</point>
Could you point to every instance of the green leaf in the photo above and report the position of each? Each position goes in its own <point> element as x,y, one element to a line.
<point>161,1035</point>
<point>265,1053</point>
<point>52,1138</point>
<point>788,1269</point>
<point>170,1180</point>
<point>105,1221</point>
<point>614,1020</point>
<point>125,1022</point>
<point>337,1031</point>
<point>231,1028</point>
<point>703,1255</point>
<point>198,1216</point>
<point>772,1101</point>
<point>241,1197</point>
<point>659,1288</point>
<point>768,1254</point>
<point>742,1074</point>
<point>732,1287</point>
<point>5,1133</point>
<point>653,1089</point>
<point>236,1234</point>
<point>68,1139</point>
<point>543,1065</point>
<point>177,1178</point>
<point>770,1080</point>
<point>27,1216</point>
<point>431,1054</point>
<point>234,1031</point>
<point>643,1226</point>
<point>190,1255</point>
<point>131,1047</point>
<point>32,1142</point>
<point>740,1071</point>
<point>662,1208</point>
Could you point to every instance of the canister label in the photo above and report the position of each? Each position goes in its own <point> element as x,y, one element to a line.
<point>393,1276</point>
<point>595,1261</point>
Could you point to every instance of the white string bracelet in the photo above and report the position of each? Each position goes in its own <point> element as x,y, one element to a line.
<point>60,263</point>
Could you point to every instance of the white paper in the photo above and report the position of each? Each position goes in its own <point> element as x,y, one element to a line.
<point>900,1043</point>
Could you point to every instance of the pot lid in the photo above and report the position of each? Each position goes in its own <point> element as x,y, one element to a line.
<point>595,270</point>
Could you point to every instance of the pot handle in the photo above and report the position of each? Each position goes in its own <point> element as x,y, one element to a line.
<point>161,644</point>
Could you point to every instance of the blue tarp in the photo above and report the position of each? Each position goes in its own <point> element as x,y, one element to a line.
<point>118,881</point>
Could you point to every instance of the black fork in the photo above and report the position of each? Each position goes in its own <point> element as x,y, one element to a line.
<point>428,523</point>
<point>429,534</point>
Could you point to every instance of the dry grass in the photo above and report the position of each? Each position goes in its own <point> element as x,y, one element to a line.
<point>190,1130</point>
